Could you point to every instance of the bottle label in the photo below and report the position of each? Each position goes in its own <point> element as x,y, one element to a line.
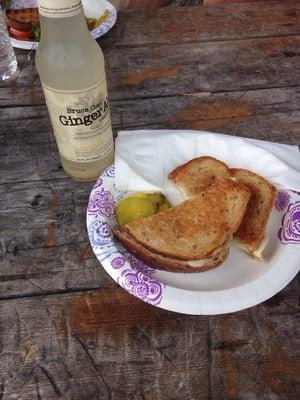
<point>81,122</point>
<point>59,8</point>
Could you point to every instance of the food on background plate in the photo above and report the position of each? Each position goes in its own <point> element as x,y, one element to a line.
<point>193,236</point>
<point>191,177</point>
<point>250,236</point>
<point>94,22</point>
<point>140,205</point>
<point>24,24</point>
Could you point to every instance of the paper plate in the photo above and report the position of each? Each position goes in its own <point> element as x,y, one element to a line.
<point>92,9</point>
<point>237,284</point>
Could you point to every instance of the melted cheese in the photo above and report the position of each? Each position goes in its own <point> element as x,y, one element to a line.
<point>262,245</point>
<point>200,263</point>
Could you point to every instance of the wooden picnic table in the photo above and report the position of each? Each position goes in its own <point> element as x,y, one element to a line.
<point>67,330</point>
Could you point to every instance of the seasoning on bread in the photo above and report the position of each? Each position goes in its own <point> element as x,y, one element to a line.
<point>193,236</point>
<point>202,171</point>
<point>251,233</point>
<point>198,174</point>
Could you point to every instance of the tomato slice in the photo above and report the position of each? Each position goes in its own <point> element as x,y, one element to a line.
<point>21,35</point>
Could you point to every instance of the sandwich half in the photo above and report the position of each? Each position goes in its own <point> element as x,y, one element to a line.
<point>193,236</point>
<point>250,235</point>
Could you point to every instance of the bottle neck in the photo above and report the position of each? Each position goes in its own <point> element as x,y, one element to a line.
<point>66,16</point>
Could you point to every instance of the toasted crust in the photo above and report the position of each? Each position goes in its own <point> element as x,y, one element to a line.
<point>195,228</point>
<point>166,263</point>
<point>252,228</point>
<point>171,240</point>
<point>236,196</point>
<point>198,174</point>
<point>192,230</point>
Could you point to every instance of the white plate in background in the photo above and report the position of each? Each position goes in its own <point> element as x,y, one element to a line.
<point>92,9</point>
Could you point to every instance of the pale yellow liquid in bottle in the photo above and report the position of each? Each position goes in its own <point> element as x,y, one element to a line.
<point>68,58</point>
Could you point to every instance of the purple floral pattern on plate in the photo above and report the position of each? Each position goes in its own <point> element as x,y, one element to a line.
<point>282,200</point>
<point>142,286</point>
<point>110,171</point>
<point>135,263</point>
<point>118,262</point>
<point>98,183</point>
<point>139,265</point>
<point>106,25</point>
<point>100,234</point>
<point>102,203</point>
<point>289,232</point>
<point>131,273</point>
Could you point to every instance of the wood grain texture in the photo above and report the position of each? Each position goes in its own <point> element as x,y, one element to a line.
<point>46,270</point>
<point>101,345</point>
<point>178,24</point>
<point>67,331</point>
<point>106,344</point>
<point>55,210</point>
<point>164,70</point>
<point>252,351</point>
<point>43,241</point>
<point>30,154</point>
<point>213,67</point>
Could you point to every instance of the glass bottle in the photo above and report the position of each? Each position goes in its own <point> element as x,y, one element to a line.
<point>8,61</point>
<point>71,67</point>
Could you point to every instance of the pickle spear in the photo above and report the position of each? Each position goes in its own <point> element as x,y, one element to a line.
<point>140,205</point>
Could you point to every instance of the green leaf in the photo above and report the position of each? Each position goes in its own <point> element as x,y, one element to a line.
<point>36,30</point>
<point>5,3</point>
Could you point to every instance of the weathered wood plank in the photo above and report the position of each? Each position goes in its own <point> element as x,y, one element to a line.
<point>253,353</point>
<point>21,96</point>
<point>43,214</point>
<point>214,67</point>
<point>272,114</point>
<point>231,21</point>
<point>102,345</point>
<point>43,240</point>
<point>138,112</point>
<point>52,269</point>
<point>107,344</point>
<point>27,161</point>
<point>186,68</point>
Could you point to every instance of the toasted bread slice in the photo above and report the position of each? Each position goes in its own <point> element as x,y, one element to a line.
<point>198,174</point>
<point>236,197</point>
<point>250,234</point>
<point>195,228</point>
<point>192,236</point>
<point>167,263</point>
<point>190,230</point>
